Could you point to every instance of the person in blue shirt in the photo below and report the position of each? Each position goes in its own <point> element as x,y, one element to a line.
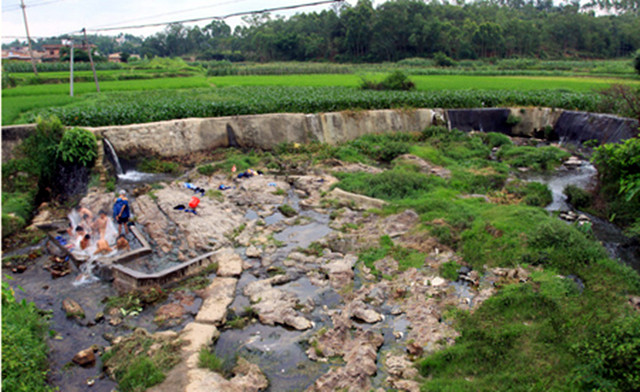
<point>121,212</point>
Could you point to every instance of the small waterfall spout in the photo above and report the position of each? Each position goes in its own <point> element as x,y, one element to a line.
<point>111,152</point>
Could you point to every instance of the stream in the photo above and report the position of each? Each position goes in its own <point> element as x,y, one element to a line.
<point>279,351</point>
<point>610,235</point>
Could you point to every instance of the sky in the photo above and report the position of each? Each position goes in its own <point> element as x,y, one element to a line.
<point>49,18</point>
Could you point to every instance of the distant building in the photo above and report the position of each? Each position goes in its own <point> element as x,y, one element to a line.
<point>52,52</point>
<point>21,54</point>
<point>114,58</point>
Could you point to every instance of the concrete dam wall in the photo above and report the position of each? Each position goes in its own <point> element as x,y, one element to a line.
<point>181,138</point>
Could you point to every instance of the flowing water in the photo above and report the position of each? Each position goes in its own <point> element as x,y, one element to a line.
<point>611,236</point>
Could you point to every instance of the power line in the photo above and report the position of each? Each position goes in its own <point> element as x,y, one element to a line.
<point>178,12</point>
<point>217,17</point>
<point>15,7</point>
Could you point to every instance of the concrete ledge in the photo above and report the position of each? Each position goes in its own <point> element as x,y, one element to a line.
<point>127,279</point>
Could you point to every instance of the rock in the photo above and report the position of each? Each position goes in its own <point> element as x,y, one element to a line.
<point>73,309</point>
<point>405,385</point>
<point>573,163</point>
<point>169,312</point>
<point>219,295</point>
<point>414,348</point>
<point>340,271</point>
<point>115,321</point>
<point>400,367</point>
<point>253,251</point>
<point>360,311</point>
<point>359,351</point>
<point>438,281</point>
<point>583,218</point>
<point>229,263</point>
<point>85,358</point>
<point>634,301</point>
<point>275,306</point>
<point>355,201</point>
<point>423,166</point>
<point>99,317</point>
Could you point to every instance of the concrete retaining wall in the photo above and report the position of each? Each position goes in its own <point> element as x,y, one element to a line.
<point>181,138</point>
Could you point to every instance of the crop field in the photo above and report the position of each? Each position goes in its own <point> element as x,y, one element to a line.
<point>148,97</point>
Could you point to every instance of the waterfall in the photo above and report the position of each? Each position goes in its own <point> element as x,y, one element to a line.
<point>111,152</point>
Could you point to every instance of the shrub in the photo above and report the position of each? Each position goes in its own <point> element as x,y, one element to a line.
<point>578,197</point>
<point>494,139</point>
<point>636,61</point>
<point>618,172</point>
<point>397,80</point>
<point>610,358</point>
<point>78,146</point>
<point>442,60</point>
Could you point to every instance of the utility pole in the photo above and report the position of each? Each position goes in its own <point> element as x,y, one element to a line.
<point>26,26</point>
<point>70,43</point>
<point>93,67</point>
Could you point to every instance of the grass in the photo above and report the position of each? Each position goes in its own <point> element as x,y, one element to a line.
<point>136,366</point>
<point>24,348</point>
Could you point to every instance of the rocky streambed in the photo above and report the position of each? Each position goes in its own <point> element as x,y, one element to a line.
<point>289,303</point>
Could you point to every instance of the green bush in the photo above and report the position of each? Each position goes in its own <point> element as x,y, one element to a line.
<point>578,197</point>
<point>78,146</point>
<point>442,60</point>
<point>636,61</point>
<point>397,80</point>
<point>619,175</point>
<point>609,359</point>
<point>494,139</point>
<point>24,348</point>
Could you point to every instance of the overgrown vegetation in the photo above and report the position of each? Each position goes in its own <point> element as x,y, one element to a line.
<point>33,175</point>
<point>619,175</point>
<point>24,348</point>
<point>139,361</point>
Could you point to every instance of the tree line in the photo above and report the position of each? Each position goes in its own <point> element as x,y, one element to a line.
<point>406,28</point>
